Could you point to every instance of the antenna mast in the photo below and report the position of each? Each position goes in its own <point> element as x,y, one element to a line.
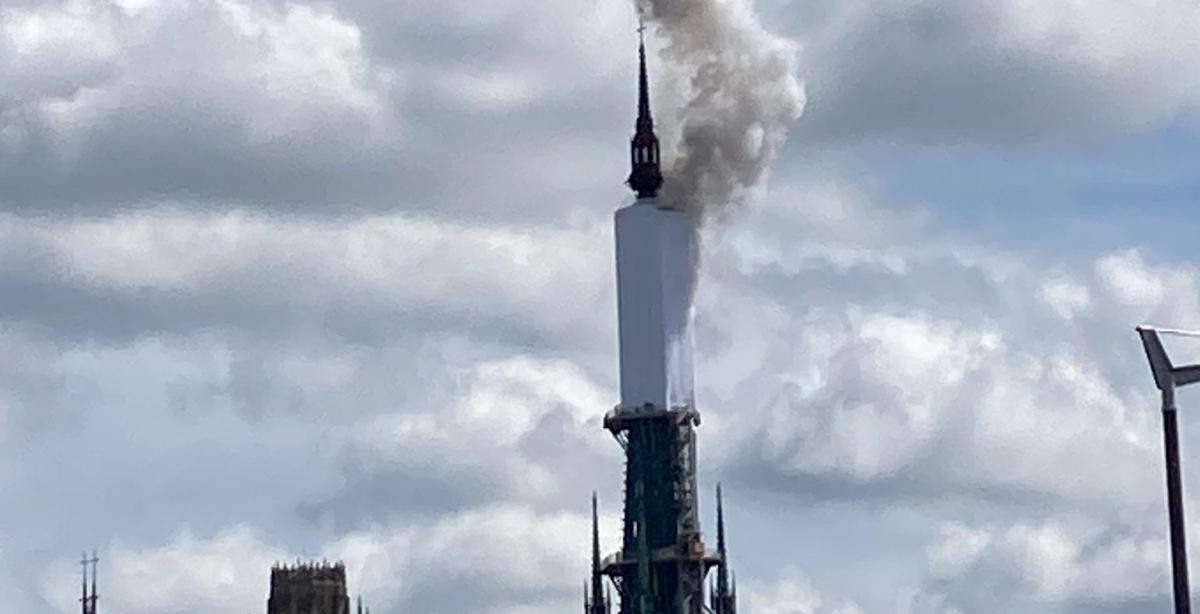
<point>88,601</point>
<point>94,597</point>
<point>83,562</point>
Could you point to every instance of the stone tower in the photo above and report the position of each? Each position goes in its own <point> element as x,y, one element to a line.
<point>308,588</point>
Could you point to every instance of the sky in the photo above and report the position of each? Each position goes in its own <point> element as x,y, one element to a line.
<point>334,280</point>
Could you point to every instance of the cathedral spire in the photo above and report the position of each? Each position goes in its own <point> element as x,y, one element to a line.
<point>598,603</point>
<point>596,588</point>
<point>725,598</point>
<point>645,177</point>
<point>644,120</point>
<point>720,522</point>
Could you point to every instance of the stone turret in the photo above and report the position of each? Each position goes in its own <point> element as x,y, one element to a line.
<point>308,588</point>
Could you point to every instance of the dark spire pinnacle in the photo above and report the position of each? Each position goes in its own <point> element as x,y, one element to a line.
<point>723,570</point>
<point>598,604</point>
<point>645,177</point>
<point>720,523</point>
<point>595,535</point>
<point>725,599</point>
<point>644,120</point>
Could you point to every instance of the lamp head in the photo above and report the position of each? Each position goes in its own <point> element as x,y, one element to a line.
<point>1160,365</point>
<point>1166,375</point>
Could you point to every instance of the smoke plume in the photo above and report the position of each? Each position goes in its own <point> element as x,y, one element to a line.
<point>744,95</point>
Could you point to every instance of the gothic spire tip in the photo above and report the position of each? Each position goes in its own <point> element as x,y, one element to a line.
<point>645,177</point>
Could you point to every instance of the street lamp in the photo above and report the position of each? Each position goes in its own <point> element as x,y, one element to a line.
<point>1167,378</point>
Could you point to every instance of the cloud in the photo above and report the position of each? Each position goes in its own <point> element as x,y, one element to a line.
<point>34,390</point>
<point>514,429</point>
<point>51,53</point>
<point>793,593</point>
<point>325,109</point>
<point>364,278</point>
<point>199,99</point>
<point>998,73</point>
<point>1062,562</point>
<point>1065,297</point>
<point>513,560</point>
<point>20,595</point>
<point>919,364</point>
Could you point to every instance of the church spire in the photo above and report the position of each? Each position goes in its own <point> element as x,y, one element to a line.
<point>598,603</point>
<point>645,177</point>
<point>725,598</point>
<point>596,588</point>
<point>645,122</point>
<point>722,577</point>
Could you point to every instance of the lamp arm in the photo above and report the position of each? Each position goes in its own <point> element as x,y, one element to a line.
<point>1183,376</point>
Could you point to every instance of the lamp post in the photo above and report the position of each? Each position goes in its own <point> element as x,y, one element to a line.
<point>1167,378</point>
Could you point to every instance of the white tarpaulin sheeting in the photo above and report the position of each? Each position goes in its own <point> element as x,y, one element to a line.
<point>655,278</point>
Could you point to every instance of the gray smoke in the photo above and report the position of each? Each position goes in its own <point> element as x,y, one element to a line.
<point>744,95</point>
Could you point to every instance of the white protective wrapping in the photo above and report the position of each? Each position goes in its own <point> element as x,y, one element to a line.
<point>655,277</point>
